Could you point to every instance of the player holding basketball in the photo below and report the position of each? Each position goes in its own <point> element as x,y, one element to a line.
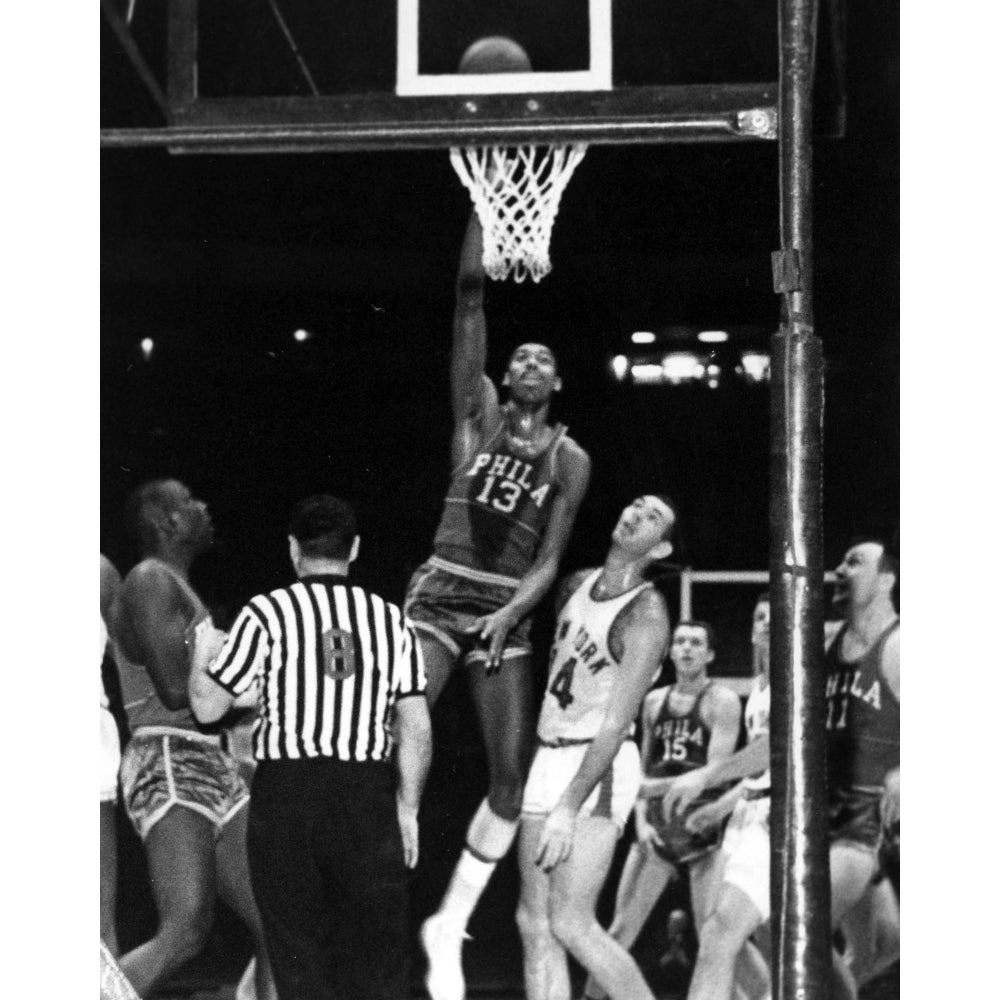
<point>862,665</point>
<point>612,630</point>
<point>516,485</point>
<point>684,725</point>
<point>183,794</point>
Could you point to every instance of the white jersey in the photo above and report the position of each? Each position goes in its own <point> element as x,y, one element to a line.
<point>582,670</point>
<point>758,718</point>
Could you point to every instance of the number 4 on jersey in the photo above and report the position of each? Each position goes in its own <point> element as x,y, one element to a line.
<point>562,682</point>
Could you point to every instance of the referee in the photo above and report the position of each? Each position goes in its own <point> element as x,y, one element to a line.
<point>330,833</point>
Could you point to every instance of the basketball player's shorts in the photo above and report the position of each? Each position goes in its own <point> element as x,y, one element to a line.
<point>854,817</point>
<point>443,600</point>
<point>111,757</point>
<point>680,845</point>
<point>164,767</point>
<point>554,768</point>
<point>746,852</point>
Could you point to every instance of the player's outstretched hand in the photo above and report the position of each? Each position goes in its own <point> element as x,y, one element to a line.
<point>410,831</point>
<point>556,840</point>
<point>683,791</point>
<point>494,628</point>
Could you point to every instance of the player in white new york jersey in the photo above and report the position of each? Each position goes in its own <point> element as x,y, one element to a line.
<point>611,634</point>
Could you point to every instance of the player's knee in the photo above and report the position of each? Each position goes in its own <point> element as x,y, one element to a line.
<point>569,927</point>
<point>506,795</point>
<point>719,938</point>
<point>532,925</point>
<point>187,926</point>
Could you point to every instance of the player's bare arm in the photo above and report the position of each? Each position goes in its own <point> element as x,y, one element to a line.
<point>722,713</point>
<point>678,793</point>
<point>645,638</point>
<point>154,614</point>
<point>474,404</point>
<point>572,477</point>
<point>645,832</point>
<point>111,584</point>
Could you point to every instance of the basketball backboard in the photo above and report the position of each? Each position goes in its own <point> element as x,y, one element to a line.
<point>295,75</point>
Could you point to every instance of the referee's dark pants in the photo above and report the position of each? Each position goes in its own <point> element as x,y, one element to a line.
<point>327,869</point>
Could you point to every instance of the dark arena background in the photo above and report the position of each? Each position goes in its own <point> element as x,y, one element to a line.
<point>274,325</point>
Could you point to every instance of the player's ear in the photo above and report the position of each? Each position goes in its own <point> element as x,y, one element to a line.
<point>506,379</point>
<point>557,384</point>
<point>294,550</point>
<point>355,545</point>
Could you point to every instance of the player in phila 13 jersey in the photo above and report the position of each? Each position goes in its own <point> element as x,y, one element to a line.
<point>516,484</point>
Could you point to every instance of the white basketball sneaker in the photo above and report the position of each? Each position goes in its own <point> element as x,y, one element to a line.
<point>442,944</point>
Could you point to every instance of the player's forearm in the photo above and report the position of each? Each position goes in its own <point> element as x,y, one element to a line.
<point>413,759</point>
<point>533,587</point>
<point>209,700</point>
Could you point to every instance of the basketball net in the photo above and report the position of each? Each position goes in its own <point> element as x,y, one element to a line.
<point>516,193</point>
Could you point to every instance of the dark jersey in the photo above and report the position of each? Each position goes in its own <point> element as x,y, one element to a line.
<point>680,744</point>
<point>497,506</point>
<point>862,718</point>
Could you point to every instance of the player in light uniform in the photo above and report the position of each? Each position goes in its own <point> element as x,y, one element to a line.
<point>742,903</point>
<point>110,760</point>
<point>515,488</point>
<point>183,794</point>
<point>684,725</point>
<point>611,633</point>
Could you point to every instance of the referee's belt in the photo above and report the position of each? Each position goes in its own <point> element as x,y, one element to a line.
<point>562,741</point>
<point>752,794</point>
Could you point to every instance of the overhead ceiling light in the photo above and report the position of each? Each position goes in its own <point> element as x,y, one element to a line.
<point>643,337</point>
<point>713,336</point>
<point>147,346</point>
<point>619,366</point>
<point>301,335</point>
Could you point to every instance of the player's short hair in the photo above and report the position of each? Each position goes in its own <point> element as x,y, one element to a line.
<point>696,623</point>
<point>325,527</point>
<point>140,506</point>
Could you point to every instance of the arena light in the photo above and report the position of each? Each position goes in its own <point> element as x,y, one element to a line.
<point>643,337</point>
<point>619,367</point>
<point>146,344</point>
<point>713,336</point>
<point>647,374</point>
<point>301,335</point>
<point>755,366</point>
<point>681,366</point>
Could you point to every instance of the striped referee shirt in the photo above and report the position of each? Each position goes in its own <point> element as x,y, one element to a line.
<point>331,659</point>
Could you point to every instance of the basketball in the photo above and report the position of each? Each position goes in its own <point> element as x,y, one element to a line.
<point>495,54</point>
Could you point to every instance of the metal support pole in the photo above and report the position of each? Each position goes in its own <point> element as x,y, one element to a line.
<point>800,879</point>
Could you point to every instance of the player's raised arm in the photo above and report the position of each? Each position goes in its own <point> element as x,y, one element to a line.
<point>473,396</point>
